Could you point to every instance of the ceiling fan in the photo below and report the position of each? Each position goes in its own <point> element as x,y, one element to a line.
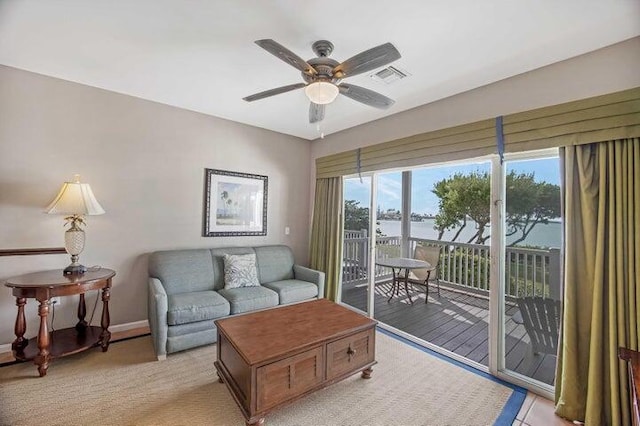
<point>323,76</point>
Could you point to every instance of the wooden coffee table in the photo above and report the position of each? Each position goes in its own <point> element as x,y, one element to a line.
<point>273,357</point>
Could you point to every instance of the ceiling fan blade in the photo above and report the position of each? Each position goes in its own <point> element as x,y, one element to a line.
<point>273,92</point>
<point>286,55</point>
<point>316,113</point>
<point>367,61</point>
<point>366,96</point>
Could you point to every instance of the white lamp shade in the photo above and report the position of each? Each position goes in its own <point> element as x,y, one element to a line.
<point>75,198</point>
<point>321,92</point>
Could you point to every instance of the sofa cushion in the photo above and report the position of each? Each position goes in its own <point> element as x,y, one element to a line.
<point>182,271</point>
<point>249,298</point>
<point>291,291</point>
<point>240,271</point>
<point>196,306</point>
<point>275,263</point>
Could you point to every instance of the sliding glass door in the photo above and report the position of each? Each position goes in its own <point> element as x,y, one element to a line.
<point>490,232</point>
<point>532,234</point>
<point>438,214</point>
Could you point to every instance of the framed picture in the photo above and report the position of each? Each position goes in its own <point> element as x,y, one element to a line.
<point>235,204</point>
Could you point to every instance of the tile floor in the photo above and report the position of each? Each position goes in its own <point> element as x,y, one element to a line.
<point>538,411</point>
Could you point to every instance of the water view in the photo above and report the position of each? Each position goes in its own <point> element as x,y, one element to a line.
<point>549,236</point>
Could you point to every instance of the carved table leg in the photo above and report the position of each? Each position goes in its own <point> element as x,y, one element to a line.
<point>259,422</point>
<point>105,336</point>
<point>366,374</point>
<point>44,355</point>
<point>81,326</point>
<point>20,328</point>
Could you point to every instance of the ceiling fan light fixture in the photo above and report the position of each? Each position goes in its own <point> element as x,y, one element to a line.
<point>321,92</point>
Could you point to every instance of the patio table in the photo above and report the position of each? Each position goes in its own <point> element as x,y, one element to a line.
<point>397,264</point>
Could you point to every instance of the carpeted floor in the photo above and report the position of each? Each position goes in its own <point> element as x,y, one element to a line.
<point>127,386</point>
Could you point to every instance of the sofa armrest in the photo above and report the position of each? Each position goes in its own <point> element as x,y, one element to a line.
<point>311,275</point>
<point>157,311</point>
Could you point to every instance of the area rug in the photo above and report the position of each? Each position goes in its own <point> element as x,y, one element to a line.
<point>127,386</point>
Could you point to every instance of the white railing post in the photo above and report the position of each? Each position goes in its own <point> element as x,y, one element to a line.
<point>363,253</point>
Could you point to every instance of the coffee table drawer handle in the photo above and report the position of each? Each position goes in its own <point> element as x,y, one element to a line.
<point>351,352</point>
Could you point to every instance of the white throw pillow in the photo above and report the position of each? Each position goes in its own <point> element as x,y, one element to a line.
<point>240,271</point>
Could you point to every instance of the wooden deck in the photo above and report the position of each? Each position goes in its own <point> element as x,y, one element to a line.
<point>457,322</point>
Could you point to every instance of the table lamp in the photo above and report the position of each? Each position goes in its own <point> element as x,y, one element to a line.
<point>76,200</point>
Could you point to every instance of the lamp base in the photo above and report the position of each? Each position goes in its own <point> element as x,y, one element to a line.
<point>75,268</point>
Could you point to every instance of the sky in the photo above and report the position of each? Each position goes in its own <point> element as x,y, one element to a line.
<point>422,198</point>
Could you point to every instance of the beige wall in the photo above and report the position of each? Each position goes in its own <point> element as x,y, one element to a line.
<point>145,163</point>
<point>604,71</point>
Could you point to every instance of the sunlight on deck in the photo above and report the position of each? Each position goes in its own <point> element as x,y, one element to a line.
<point>457,322</point>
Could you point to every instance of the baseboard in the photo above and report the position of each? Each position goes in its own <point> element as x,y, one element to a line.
<point>128,326</point>
<point>113,329</point>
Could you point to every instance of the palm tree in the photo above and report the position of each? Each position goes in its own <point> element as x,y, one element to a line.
<point>224,195</point>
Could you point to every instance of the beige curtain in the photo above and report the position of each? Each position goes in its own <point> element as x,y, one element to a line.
<point>326,233</point>
<point>602,280</point>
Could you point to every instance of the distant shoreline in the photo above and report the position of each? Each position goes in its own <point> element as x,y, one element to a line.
<point>543,235</point>
<point>433,217</point>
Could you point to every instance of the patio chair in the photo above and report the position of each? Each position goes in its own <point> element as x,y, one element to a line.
<point>541,319</point>
<point>429,254</point>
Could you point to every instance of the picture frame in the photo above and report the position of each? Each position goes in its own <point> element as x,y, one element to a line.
<point>235,204</point>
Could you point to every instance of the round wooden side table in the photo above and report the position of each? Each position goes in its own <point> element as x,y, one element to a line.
<point>44,285</point>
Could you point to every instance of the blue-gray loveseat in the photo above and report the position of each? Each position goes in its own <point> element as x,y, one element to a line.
<point>186,292</point>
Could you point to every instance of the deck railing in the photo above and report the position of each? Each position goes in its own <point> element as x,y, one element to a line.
<point>528,272</point>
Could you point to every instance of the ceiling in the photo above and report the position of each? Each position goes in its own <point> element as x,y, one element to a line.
<point>199,54</point>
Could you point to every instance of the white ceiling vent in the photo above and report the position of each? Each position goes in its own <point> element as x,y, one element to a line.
<point>390,75</point>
